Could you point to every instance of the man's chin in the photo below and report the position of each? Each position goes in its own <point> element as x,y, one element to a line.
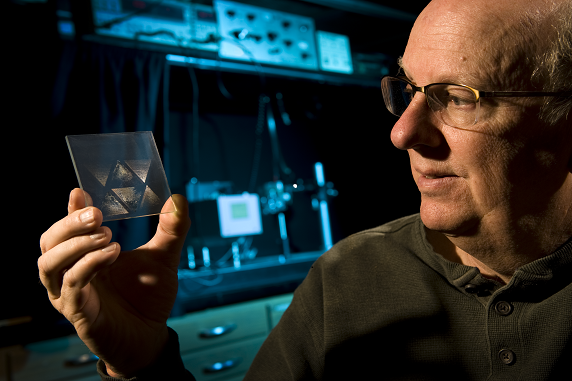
<point>449,220</point>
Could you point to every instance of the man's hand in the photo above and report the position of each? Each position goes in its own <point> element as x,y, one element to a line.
<point>117,301</point>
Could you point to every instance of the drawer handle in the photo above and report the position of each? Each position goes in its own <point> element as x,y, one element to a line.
<point>217,331</point>
<point>222,366</point>
<point>85,359</point>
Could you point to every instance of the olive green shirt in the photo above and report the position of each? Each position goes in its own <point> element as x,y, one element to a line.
<point>381,304</point>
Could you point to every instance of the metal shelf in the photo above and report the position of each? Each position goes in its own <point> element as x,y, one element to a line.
<point>246,68</point>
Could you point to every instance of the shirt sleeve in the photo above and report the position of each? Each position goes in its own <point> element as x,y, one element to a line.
<point>169,366</point>
<point>294,349</point>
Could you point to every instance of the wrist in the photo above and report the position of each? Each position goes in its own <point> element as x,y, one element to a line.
<point>138,364</point>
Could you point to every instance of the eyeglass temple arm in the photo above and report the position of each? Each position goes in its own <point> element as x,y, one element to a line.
<point>524,94</point>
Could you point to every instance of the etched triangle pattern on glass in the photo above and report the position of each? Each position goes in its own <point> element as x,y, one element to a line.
<point>150,199</point>
<point>121,172</point>
<point>111,206</point>
<point>101,173</point>
<point>130,196</point>
<point>140,167</point>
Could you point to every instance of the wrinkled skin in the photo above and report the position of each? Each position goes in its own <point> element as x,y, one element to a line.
<point>118,302</point>
<point>506,186</point>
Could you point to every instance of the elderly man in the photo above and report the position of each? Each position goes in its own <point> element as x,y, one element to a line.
<point>477,286</point>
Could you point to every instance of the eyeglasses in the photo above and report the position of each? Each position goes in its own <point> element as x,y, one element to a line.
<point>455,105</point>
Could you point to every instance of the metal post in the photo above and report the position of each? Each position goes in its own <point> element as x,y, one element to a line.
<point>323,210</point>
<point>284,234</point>
<point>206,257</point>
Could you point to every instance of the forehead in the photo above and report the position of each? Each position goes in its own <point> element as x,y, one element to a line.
<point>477,44</point>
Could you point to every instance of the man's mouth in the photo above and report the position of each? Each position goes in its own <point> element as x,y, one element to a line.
<point>432,177</point>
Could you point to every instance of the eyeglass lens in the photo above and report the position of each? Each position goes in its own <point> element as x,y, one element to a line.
<point>455,105</point>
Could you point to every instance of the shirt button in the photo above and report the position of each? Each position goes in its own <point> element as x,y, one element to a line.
<point>472,288</point>
<point>503,308</point>
<point>507,356</point>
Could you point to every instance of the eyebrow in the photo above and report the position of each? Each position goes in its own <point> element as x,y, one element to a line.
<point>402,67</point>
<point>410,77</point>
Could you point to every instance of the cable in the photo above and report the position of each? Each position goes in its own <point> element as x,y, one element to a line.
<point>208,283</point>
<point>262,101</point>
<point>246,243</point>
<point>282,110</point>
<point>195,111</point>
<point>166,122</point>
<point>222,88</point>
<point>202,282</point>
<point>251,58</point>
<point>157,32</point>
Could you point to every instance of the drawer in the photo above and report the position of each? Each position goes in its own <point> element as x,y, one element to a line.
<point>213,336</point>
<point>204,329</point>
<point>50,361</point>
<point>227,362</point>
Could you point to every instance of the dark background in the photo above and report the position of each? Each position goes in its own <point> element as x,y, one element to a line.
<point>53,88</point>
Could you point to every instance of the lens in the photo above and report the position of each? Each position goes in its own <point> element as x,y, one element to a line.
<point>454,105</point>
<point>457,106</point>
<point>397,95</point>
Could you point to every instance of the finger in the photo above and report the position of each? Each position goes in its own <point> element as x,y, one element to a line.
<point>79,222</point>
<point>72,298</point>
<point>173,227</point>
<point>79,199</point>
<point>60,258</point>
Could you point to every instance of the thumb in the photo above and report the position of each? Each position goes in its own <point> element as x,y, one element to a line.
<point>173,226</point>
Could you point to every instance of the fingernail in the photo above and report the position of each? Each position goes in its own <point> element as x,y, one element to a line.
<point>97,236</point>
<point>87,216</point>
<point>109,248</point>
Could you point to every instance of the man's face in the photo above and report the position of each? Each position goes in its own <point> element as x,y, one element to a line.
<point>510,165</point>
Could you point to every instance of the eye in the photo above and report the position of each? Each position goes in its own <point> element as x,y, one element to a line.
<point>459,101</point>
<point>454,97</point>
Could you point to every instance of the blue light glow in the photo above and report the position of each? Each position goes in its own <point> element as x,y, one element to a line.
<point>191,257</point>
<point>282,224</point>
<point>326,231</point>
<point>320,174</point>
<point>206,257</point>
<point>236,255</point>
<point>67,28</point>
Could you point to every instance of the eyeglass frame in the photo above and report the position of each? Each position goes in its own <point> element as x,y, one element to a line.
<point>478,93</point>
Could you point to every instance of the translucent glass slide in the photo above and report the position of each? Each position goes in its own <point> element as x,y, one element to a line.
<point>121,174</point>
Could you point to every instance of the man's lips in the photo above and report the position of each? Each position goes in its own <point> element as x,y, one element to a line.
<point>434,179</point>
<point>432,174</point>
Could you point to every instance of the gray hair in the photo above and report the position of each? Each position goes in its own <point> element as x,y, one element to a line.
<point>554,66</point>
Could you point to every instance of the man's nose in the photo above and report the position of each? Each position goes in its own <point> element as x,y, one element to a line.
<point>417,126</point>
